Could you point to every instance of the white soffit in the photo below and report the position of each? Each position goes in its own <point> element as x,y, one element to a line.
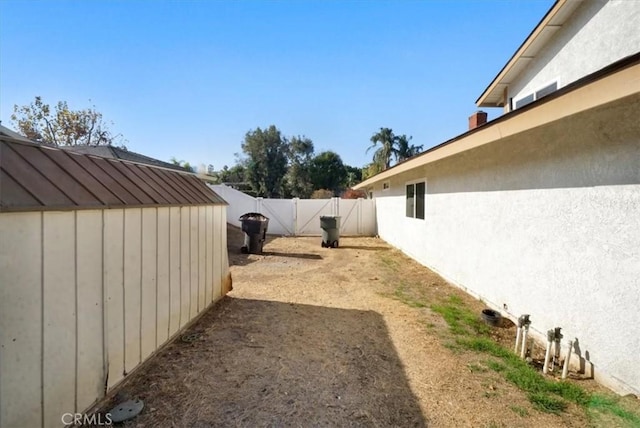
<point>530,48</point>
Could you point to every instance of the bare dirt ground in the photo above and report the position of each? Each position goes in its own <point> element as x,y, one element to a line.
<point>317,337</point>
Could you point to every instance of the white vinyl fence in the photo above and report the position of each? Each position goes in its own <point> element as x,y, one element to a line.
<point>300,217</point>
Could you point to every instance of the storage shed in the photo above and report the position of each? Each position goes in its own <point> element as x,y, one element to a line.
<point>102,261</point>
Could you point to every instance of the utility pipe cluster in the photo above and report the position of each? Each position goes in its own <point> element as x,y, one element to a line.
<point>523,329</point>
<point>554,338</point>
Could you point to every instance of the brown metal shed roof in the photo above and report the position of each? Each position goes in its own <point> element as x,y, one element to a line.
<point>35,177</point>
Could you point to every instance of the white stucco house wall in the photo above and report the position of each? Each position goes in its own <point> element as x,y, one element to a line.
<point>538,211</point>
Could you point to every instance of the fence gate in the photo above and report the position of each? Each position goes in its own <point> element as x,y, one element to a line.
<point>308,213</point>
<point>301,216</point>
<point>281,215</point>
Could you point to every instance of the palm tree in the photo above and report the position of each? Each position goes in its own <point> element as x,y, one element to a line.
<point>403,150</point>
<point>391,145</point>
<point>382,155</point>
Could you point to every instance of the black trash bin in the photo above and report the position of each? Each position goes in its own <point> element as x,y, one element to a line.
<point>330,225</point>
<point>254,225</point>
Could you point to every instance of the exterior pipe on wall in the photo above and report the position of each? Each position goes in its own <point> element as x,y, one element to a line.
<point>550,337</point>
<point>565,369</point>
<point>523,351</point>
<point>557,337</point>
<point>523,328</point>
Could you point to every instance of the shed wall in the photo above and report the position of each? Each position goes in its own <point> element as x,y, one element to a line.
<point>86,296</point>
<point>546,223</point>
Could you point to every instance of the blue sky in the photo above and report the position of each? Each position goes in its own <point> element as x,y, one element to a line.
<point>190,78</point>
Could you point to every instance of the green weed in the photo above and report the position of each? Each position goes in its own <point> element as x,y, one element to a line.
<point>496,366</point>
<point>461,320</point>
<point>602,404</point>
<point>476,368</point>
<point>547,403</point>
<point>403,296</point>
<point>471,334</point>
<point>520,411</point>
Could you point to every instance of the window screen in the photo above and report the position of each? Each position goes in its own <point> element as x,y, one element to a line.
<point>524,101</point>
<point>420,194</point>
<point>411,188</point>
<point>415,200</point>
<point>546,90</point>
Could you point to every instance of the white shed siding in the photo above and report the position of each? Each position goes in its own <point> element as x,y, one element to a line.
<point>193,259</point>
<point>219,224</point>
<point>90,299</point>
<point>149,303</point>
<point>185,266</point>
<point>132,286</point>
<point>163,293</point>
<point>202,257</point>
<point>114,294</point>
<point>59,313</point>
<point>175,276</point>
<point>85,296</point>
<point>208,272</point>
<point>21,319</point>
<point>599,33</point>
<point>546,223</point>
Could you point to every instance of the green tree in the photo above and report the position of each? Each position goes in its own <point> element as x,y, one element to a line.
<point>328,172</point>
<point>62,126</point>
<point>354,175</point>
<point>403,150</point>
<point>235,174</point>
<point>298,177</point>
<point>386,141</point>
<point>184,164</point>
<point>389,145</point>
<point>266,162</point>
<point>322,194</point>
<point>370,170</point>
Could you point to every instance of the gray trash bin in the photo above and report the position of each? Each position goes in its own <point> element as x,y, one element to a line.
<point>330,225</point>
<point>254,225</point>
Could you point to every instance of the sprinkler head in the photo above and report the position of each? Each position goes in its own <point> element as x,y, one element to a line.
<point>556,333</point>
<point>524,320</point>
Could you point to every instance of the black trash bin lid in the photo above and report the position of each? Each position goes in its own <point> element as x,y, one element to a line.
<point>253,216</point>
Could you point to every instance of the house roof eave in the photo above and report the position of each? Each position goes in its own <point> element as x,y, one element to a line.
<point>552,21</point>
<point>616,81</point>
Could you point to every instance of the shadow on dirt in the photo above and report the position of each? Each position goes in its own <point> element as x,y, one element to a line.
<point>364,247</point>
<point>294,255</point>
<point>265,363</point>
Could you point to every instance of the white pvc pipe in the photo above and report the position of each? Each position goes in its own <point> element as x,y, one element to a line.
<point>523,352</point>
<point>518,334</point>
<point>556,353</point>
<point>565,369</point>
<point>547,354</point>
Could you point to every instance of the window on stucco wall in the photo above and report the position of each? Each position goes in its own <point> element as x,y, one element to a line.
<point>415,197</point>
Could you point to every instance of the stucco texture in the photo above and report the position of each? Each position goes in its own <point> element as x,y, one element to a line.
<point>545,222</point>
<point>599,33</point>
